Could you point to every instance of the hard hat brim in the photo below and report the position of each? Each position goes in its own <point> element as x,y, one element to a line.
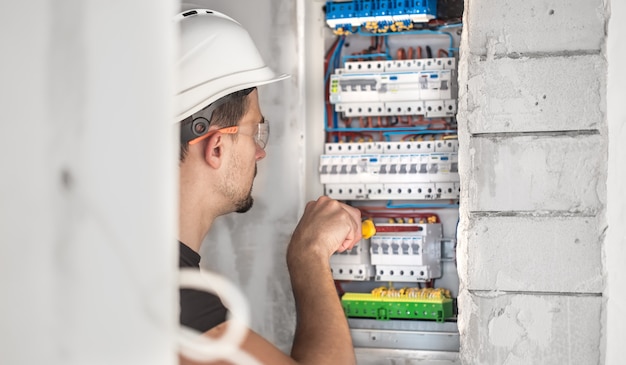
<point>235,82</point>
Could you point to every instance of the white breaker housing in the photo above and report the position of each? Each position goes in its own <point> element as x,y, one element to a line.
<point>393,256</point>
<point>395,88</point>
<point>391,170</point>
<point>407,256</point>
<point>352,264</point>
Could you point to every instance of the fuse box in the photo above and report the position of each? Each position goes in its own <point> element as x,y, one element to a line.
<point>390,149</point>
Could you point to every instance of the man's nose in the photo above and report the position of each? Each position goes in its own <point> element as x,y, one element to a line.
<point>260,153</point>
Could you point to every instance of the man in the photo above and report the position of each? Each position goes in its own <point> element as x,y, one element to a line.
<point>223,135</point>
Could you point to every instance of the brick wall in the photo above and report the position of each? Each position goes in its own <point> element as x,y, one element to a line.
<point>533,134</point>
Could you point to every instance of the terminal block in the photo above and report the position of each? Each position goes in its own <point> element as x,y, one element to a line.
<point>378,15</point>
<point>405,303</point>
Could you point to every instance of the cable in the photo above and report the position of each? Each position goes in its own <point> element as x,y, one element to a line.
<point>390,205</point>
<point>425,31</point>
<point>388,135</point>
<point>200,348</point>
<point>330,64</point>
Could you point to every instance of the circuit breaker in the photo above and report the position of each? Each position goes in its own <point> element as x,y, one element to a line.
<point>407,255</point>
<point>391,151</point>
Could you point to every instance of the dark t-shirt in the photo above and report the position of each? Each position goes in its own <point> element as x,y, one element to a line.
<point>198,310</point>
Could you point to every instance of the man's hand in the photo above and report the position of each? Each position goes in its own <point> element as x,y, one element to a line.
<point>326,226</point>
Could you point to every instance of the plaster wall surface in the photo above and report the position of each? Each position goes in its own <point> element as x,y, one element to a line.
<point>518,328</point>
<point>511,28</point>
<point>537,173</point>
<point>536,94</point>
<point>535,253</point>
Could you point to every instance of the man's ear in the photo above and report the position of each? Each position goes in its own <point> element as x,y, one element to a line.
<point>214,150</point>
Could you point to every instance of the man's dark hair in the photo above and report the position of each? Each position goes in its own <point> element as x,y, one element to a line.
<point>231,109</point>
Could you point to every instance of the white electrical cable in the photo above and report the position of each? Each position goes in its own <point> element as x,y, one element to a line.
<point>203,349</point>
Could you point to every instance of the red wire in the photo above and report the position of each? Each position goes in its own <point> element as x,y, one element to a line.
<point>396,213</point>
<point>329,111</point>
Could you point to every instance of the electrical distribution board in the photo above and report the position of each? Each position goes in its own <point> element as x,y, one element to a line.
<point>391,150</point>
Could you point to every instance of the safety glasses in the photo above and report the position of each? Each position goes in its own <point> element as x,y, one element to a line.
<point>261,135</point>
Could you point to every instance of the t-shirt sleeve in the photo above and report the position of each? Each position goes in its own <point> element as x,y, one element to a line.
<point>198,310</point>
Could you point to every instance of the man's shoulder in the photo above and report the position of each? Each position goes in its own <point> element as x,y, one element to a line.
<point>187,257</point>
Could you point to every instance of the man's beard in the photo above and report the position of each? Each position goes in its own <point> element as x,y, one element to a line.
<point>245,204</point>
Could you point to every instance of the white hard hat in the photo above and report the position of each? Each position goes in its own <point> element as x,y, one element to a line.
<point>217,57</point>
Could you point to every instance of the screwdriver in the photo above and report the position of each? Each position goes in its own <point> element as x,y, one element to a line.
<point>368,229</point>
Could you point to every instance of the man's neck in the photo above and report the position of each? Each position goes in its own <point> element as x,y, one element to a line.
<point>195,215</point>
<point>200,200</point>
<point>193,230</point>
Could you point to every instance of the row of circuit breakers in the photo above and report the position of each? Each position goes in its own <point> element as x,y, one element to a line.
<point>422,87</point>
<point>423,170</point>
<point>402,256</point>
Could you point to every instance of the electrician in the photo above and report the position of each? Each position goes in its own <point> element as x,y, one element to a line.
<point>223,135</point>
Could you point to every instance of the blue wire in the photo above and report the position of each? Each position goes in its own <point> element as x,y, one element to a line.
<point>436,131</point>
<point>372,55</point>
<point>332,64</point>
<point>390,205</point>
<point>338,52</point>
<point>446,26</point>
<point>399,130</point>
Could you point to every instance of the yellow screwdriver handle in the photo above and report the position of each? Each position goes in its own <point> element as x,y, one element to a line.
<point>367,228</point>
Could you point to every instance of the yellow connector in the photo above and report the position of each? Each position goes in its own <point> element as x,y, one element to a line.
<point>379,292</point>
<point>367,229</point>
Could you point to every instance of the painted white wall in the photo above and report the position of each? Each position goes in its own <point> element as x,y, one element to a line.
<point>87,194</point>
<point>615,241</point>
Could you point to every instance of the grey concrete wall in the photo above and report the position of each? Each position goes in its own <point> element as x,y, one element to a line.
<point>533,166</point>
